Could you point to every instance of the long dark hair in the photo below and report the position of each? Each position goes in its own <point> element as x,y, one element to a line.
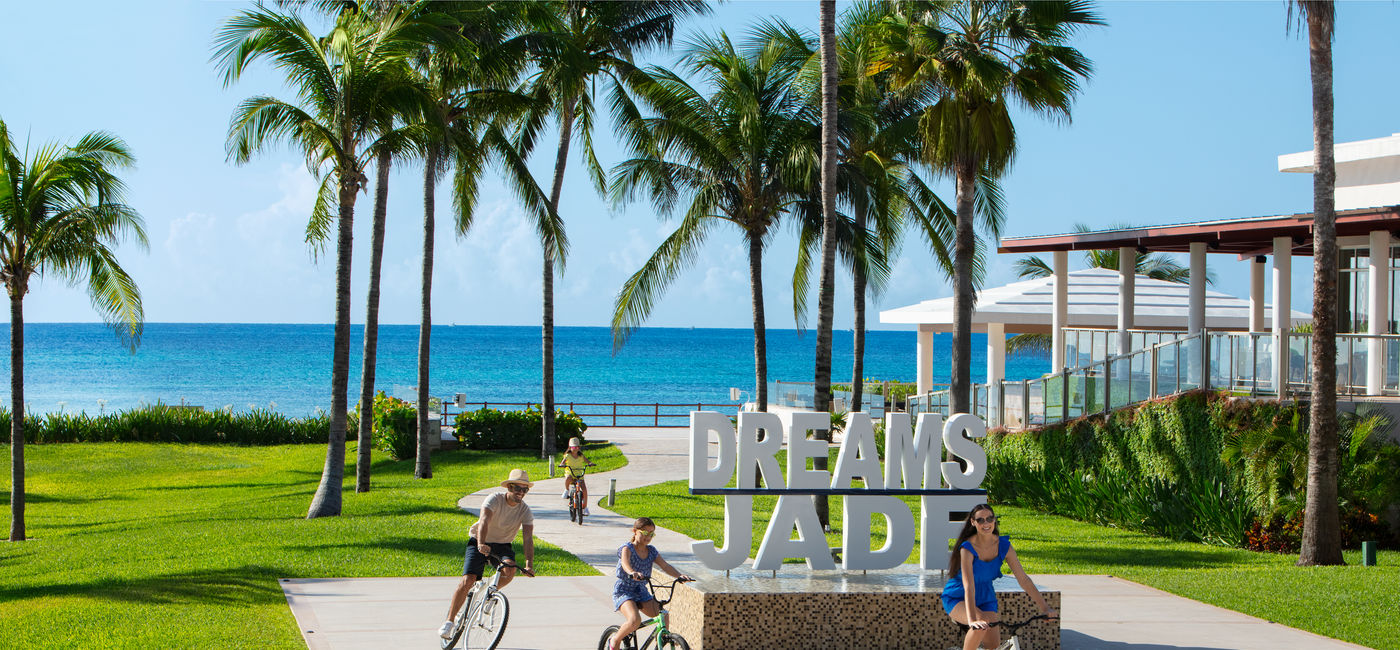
<point>968,530</point>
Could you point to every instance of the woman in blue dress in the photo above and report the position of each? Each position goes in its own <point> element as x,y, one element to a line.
<point>968,596</point>
<point>634,563</point>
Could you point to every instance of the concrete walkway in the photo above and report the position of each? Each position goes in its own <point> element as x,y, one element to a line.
<point>569,613</point>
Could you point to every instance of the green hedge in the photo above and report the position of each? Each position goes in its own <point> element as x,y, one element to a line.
<point>395,427</point>
<point>1198,467</point>
<point>163,423</point>
<point>493,429</point>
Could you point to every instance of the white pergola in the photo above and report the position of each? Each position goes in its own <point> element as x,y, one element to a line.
<point>1095,298</point>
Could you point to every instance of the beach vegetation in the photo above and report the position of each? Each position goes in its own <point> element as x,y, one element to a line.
<point>167,423</point>
<point>347,83</point>
<point>1321,543</point>
<point>395,426</point>
<point>62,216</point>
<point>578,45</point>
<point>981,58</point>
<point>496,429</point>
<point>736,150</point>
<point>143,545</point>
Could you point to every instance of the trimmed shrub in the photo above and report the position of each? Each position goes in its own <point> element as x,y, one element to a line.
<point>164,423</point>
<point>494,429</point>
<point>1197,467</point>
<point>395,427</point>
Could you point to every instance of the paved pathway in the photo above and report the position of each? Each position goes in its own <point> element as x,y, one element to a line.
<point>569,613</point>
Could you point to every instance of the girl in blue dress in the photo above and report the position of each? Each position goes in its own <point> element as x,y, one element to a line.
<point>968,596</point>
<point>631,597</point>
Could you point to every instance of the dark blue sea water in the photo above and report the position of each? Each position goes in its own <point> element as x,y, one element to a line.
<point>82,366</point>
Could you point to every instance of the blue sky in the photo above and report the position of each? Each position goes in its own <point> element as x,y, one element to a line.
<point>1189,106</point>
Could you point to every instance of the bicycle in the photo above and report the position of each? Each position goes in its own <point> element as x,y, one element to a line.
<point>575,495</point>
<point>661,634</point>
<point>483,617</point>
<point>1014,641</point>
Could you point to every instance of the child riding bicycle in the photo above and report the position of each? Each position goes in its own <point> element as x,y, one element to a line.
<point>502,514</point>
<point>635,560</point>
<point>576,463</point>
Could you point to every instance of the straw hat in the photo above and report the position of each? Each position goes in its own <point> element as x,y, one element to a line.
<point>575,442</point>
<point>518,476</point>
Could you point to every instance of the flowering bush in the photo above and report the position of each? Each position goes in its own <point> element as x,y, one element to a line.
<point>395,427</point>
<point>493,429</point>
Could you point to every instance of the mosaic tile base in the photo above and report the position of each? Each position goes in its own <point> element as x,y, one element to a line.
<point>878,610</point>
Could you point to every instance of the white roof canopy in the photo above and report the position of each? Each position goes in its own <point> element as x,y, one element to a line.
<point>1093,302</point>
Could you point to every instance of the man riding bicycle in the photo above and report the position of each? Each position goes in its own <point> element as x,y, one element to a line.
<point>502,514</point>
<point>576,463</point>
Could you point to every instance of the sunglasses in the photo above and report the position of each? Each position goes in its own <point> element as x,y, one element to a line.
<point>519,489</point>
<point>647,533</point>
<point>989,519</point>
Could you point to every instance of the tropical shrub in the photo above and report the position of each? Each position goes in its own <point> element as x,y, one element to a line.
<point>395,427</point>
<point>165,423</point>
<point>495,429</point>
<point>1201,467</point>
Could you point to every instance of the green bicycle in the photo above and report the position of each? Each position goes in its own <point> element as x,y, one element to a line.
<point>661,636</point>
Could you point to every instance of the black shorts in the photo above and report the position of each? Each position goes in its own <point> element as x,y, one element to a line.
<point>475,561</point>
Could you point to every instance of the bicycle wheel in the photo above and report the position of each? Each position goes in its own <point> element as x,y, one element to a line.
<point>672,641</point>
<point>461,623</point>
<point>485,629</point>
<point>580,505</point>
<point>603,642</point>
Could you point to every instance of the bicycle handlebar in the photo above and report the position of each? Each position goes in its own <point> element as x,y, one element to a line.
<point>497,562</point>
<point>1014,627</point>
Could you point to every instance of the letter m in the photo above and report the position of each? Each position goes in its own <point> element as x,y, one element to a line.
<point>913,454</point>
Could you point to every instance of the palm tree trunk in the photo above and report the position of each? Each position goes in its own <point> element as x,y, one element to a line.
<point>858,288</point>
<point>547,447</point>
<point>326,502</point>
<point>16,414</point>
<point>1321,543</point>
<point>760,345</point>
<point>826,294</point>
<point>964,247</point>
<point>422,466</point>
<point>376,259</point>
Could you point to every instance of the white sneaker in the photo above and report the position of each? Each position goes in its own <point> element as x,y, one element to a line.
<point>586,511</point>
<point>446,630</point>
<point>565,494</point>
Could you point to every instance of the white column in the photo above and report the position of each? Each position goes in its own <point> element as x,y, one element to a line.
<point>1256,294</point>
<point>1380,312</point>
<point>996,353</point>
<point>1127,275</point>
<point>925,364</point>
<point>1196,306</point>
<point>1283,308</point>
<point>1059,318</point>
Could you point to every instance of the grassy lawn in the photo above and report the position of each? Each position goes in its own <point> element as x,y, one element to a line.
<point>139,545</point>
<point>1348,603</point>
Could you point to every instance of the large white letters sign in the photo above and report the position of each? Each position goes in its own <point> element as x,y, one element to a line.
<point>913,465</point>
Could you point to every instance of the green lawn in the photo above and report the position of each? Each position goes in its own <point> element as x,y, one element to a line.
<point>1353,603</point>
<point>139,545</point>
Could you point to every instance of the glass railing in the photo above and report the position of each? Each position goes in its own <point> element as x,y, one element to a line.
<point>1241,363</point>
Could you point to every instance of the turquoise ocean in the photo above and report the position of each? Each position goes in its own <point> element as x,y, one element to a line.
<point>82,367</point>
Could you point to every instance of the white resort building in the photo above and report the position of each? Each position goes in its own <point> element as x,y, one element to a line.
<point>1120,338</point>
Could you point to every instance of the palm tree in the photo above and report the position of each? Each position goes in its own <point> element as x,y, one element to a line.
<point>981,56</point>
<point>742,154</point>
<point>1158,266</point>
<point>345,83</point>
<point>575,43</point>
<point>462,131</point>
<point>62,215</point>
<point>1322,538</point>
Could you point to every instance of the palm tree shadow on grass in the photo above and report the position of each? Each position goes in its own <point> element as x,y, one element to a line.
<point>246,585</point>
<point>1110,558</point>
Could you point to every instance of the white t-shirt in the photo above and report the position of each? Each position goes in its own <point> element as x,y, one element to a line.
<point>506,520</point>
